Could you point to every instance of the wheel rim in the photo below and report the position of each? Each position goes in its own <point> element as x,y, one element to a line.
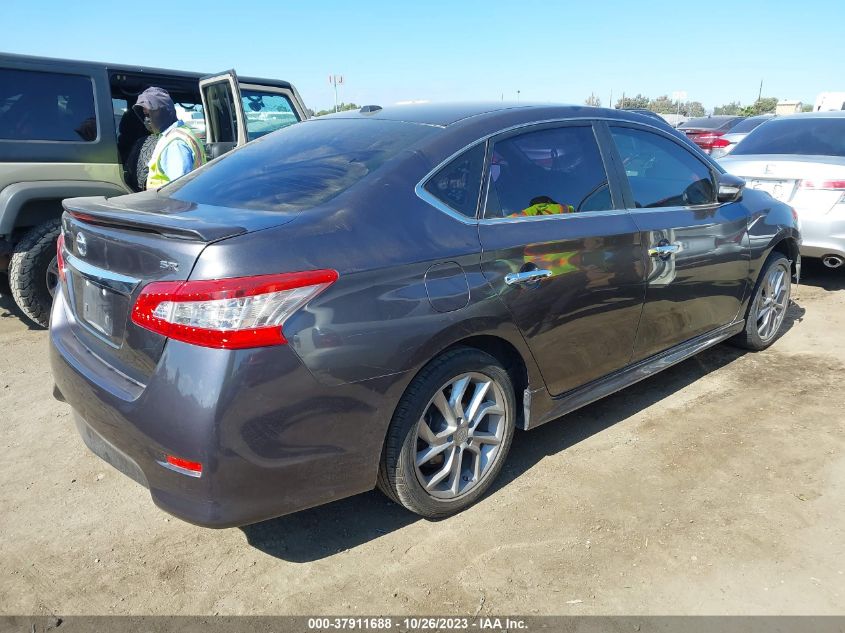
<point>459,435</point>
<point>52,277</point>
<point>772,302</point>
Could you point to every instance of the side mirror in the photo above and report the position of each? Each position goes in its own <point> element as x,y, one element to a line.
<point>730,188</point>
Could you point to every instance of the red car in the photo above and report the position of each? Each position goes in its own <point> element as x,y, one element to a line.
<point>706,132</point>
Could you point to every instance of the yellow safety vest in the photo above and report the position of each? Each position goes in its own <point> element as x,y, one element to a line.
<point>156,177</point>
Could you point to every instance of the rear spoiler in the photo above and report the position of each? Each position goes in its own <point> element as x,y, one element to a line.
<point>152,214</point>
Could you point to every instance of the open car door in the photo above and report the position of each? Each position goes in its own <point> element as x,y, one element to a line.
<point>225,124</point>
<point>239,111</point>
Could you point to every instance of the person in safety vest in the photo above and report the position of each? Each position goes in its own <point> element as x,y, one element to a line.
<point>178,150</point>
<point>543,205</point>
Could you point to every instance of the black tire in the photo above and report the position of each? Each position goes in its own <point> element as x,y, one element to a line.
<point>137,163</point>
<point>751,338</point>
<point>33,256</point>
<point>398,474</point>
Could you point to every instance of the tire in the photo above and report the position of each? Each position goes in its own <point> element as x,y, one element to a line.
<point>137,163</point>
<point>769,303</point>
<point>33,272</point>
<point>477,447</point>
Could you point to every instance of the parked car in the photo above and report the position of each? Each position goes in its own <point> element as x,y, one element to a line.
<point>800,159</point>
<point>382,297</point>
<point>707,132</point>
<point>726,143</point>
<point>67,129</point>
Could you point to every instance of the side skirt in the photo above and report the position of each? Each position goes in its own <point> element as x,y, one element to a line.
<point>554,408</point>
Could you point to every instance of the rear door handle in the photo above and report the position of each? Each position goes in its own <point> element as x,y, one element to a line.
<point>527,277</point>
<point>664,250</point>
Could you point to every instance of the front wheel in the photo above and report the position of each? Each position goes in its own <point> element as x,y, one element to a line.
<point>450,434</point>
<point>768,306</point>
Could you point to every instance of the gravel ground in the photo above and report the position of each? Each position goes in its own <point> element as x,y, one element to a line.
<point>717,486</point>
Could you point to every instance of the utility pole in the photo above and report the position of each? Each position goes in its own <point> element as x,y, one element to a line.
<point>610,103</point>
<point>334,80</point>
<point>517,96</point>
<point>760,93</point>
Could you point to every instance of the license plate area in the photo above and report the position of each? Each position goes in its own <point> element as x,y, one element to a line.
<point>778,189</point>
<point>100,309</point>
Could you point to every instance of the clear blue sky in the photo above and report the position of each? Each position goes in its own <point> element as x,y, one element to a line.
<point>444,50</point>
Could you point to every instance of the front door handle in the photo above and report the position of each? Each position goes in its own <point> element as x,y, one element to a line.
<point>527,277</point>
<point>664,250</point>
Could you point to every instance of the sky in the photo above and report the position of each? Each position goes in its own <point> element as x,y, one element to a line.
<point>440,50</point>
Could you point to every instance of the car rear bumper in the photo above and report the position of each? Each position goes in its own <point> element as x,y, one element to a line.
<point>822,235</point>
<point>270,438</point>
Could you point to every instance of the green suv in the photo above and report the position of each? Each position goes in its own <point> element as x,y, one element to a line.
<point>67,129</point>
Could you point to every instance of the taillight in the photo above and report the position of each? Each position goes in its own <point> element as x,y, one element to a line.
<point>711,140</point>
<point>829,185</point>
<point>229,313</point>
<point>60,258</point>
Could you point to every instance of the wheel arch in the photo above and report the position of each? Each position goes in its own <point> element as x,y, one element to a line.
<point>788,246</point>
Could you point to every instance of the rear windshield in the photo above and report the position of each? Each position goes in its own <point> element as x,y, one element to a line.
<point>299,166</point>
<point>749,124</point>
<point>809,136</point>
<point>707,123</point>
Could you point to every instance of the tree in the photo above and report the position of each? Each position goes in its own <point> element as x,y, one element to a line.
<point>663,105</point>
<point>764,105</point>
<point>593,100</point>
<point>639,101</point>
<point>732,108</point>
<point>693,108</point>
<point>807,107</point>
<point>342,107</point>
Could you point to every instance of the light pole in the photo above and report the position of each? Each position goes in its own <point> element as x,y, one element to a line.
<point>334,80</point>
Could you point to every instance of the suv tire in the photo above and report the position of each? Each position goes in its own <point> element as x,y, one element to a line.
<point>33,274</point>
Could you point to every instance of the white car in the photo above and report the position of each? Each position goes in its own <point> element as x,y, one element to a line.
<point>800,159</point>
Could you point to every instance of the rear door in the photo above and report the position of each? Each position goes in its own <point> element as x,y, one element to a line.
<point>561,253</point>
<point>696,249</point>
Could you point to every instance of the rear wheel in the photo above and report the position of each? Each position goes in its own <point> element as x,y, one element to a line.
<point>34,272</point>
<point>450,434</point>
<point>768,306</point>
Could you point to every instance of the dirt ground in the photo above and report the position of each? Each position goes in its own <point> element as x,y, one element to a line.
<point>715,487</point>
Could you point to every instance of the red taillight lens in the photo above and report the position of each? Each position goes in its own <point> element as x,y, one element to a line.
<point>193,467</point>
<point>710,140</point>
<point>230,313</point>
<point>60,258</point>
<point>829,185</point>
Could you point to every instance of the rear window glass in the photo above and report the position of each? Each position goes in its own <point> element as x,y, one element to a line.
<point>37,106</point>
<point>459,183</point>
<point>749,124</point>
<point>707,123</point>
<point>808,136</point>
<point>299,166</point>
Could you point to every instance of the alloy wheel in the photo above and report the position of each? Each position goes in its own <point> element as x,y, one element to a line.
<point>459,435</point>
<point>772,302</point>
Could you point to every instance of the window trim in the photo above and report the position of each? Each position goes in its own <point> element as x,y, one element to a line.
<point>628,193</point>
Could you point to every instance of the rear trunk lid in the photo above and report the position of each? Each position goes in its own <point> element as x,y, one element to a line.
<point>114,247</point>
<point>797,180</point>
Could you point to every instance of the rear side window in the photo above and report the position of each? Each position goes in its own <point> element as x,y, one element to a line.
<point>38,106</point>
<point>300,166</point>
<point>749,124</point>
<point>457,185</point>
<point>808,136</point>
<point>660,172</point>
<point>547,172</point>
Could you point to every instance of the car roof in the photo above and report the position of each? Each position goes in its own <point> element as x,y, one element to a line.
<point>826,114</point>
<point>446,114</point>
<point>67,65</point>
